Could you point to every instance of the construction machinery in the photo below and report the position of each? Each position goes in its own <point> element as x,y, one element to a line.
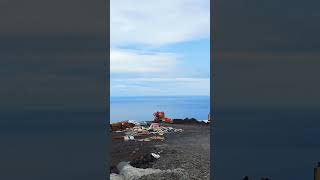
<point>160,117</point>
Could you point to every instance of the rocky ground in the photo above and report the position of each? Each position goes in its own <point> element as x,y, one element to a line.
<point>184,155</point>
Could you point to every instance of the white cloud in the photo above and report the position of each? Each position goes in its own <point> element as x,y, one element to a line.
<point>135,61</point>
<point>158,22</point>
<point>148,25</point>
<point>177,80</point>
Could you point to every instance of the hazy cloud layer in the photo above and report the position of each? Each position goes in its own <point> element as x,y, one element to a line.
<point>142,61</point>
<point>131,61</point>
<point>161,87</point>
<point>158,23</point>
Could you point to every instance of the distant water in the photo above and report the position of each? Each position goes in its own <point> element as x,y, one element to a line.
<point>277,143</point>
<point>142,108</point>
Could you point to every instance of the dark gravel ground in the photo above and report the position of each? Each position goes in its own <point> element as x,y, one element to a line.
<point>189,150</point>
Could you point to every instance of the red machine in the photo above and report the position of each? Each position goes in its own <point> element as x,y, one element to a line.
<point>160,116</point>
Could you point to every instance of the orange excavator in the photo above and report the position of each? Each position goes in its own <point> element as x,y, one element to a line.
<point>160,117</point>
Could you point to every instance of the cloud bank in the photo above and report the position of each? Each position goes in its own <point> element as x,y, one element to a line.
<point>158,23</point>
<point>143,61</point>
<point>131,61</point>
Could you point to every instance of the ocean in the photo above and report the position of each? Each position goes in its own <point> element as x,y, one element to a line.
<point>175,107</point>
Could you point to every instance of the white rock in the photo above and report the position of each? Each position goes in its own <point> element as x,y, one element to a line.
<point>157,156</point>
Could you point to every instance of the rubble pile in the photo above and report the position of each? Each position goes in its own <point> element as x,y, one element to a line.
<point>120,126</point>
<point>142,133</point>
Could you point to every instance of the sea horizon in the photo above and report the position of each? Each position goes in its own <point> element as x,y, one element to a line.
<point>141,108</point>
<point>161,96</point>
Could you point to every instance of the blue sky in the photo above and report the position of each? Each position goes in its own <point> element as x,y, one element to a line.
<point>160,50</point>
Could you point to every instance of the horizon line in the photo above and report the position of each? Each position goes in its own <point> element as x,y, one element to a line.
<point>161,96</point>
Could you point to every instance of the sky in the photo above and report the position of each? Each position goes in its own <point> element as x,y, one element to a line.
<point>160,48</point>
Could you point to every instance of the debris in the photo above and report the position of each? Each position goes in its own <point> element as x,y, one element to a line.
<point>160,133</point>
<point>154,126</point>
<point>178,130</point>
<point>134,122</point>
<point>127,138</point>
<point>120,126</point>
<point>157,156</point>
<point>157,138</point>
<point>141,133</point>
<point>145,139</point>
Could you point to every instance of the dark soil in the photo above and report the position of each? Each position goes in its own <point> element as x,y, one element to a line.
<point>132,151</point>
<point>189,150</point>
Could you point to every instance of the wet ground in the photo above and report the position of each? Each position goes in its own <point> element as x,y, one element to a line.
<point>188,150</point>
